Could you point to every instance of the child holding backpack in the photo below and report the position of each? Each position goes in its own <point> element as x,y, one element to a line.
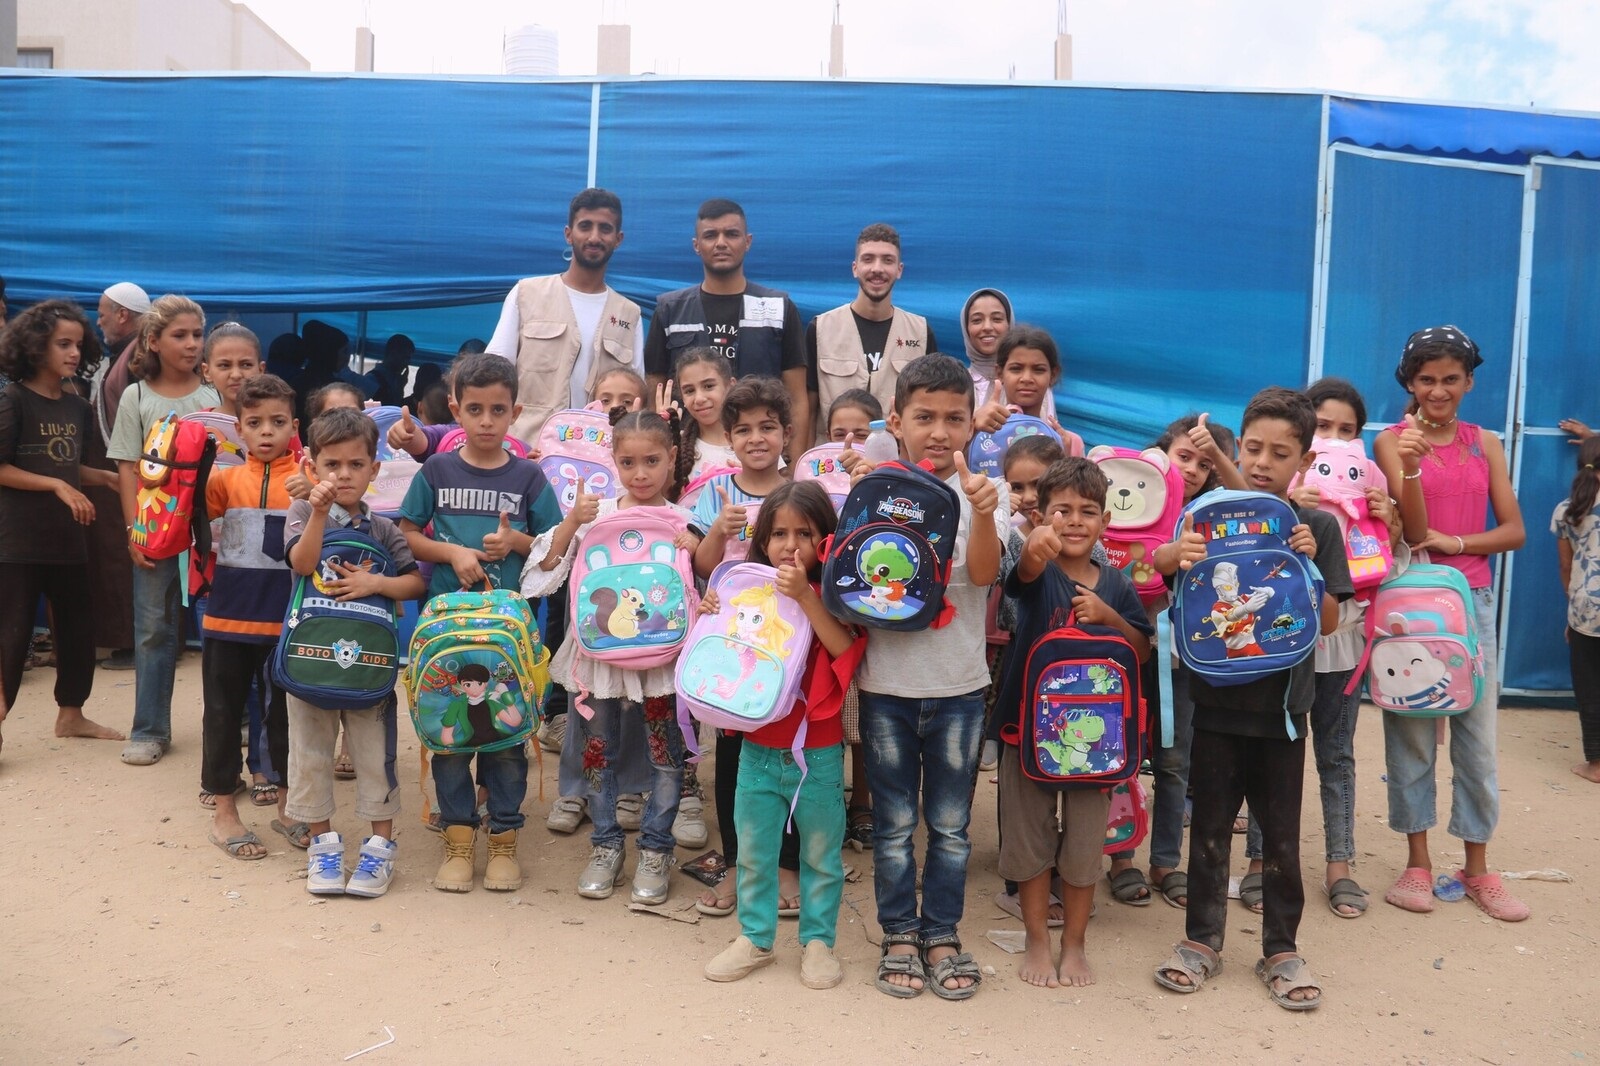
<point>344,450</point>
<point>791,526</point>
<point>638,619</point>
<point>1028,365</point>
<point>42,510</point>
<point>486,507</point>
<point>1450,474</point>
<point>165,368</point>
<point>1576,523</point>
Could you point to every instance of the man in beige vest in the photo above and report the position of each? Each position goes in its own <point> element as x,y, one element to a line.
<point>565,331</point>
<point>867,342</point>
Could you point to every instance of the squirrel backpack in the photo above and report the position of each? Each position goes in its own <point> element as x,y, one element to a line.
<point>888,564</point>
<point>339,654</point>
<point>741,667</point>
<point>1144,499</point>
<point>173,467</point>
<point>821,464</point>
<point>632,592</point>
<point>1342,472</point>
<point>1422,657</point>
<point>1252,606</point>
<point>1081,723</point>
<point>478,672</point>
<point>575,452</point>
<point>986,454</point>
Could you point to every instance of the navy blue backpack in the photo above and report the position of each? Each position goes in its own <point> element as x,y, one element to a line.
<point>888,564</point>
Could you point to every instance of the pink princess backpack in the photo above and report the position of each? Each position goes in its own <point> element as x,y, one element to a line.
<point>575,452</point>
<point>1342,471</point>
<point>632,589</point>
<point>821,464</point>
<point>1144,500</point>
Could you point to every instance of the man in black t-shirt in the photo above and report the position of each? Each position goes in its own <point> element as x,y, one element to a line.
<point>755,328</point>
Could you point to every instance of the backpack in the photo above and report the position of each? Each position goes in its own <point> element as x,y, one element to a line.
<point>454,440</point>
<point>1144,499</point>
<point>1342,471</point>
<point>1252,606</point>
<point>986,454</point>
<point>697,484</point>
<point>483,646</point>
<point>888,563</point>
<point>1081,723</point>
<point>224,428</point>
<point>339,654</point>
<point>1422,658</point>
<point>821,464</point>
<point>388,490</point>
<point>385,417</point>
<point>632,589</point>
<point>173,467</point>
<point>741,667</point>
<point>1128,819</point>
<point>575,452</point>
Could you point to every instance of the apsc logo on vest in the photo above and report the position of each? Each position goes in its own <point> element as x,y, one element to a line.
<point>620,323</point>
<point>901,510</point>
<point>911,343</point>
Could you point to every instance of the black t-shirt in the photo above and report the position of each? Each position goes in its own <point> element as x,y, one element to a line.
<point>874,339</point>
<point>45,437</point>
<point>1257,708</point>
<point>722,316</point>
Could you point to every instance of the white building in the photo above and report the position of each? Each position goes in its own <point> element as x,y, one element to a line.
<point>149,35</point>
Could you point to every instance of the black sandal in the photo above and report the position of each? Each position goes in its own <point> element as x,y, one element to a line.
<point>909,964</point>
<point>961,964</point>
<point>858,828</point>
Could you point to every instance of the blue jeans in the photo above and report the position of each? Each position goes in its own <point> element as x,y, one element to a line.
<point>927,747</point>
<point>1411,753</point>
<point>768,779</point>
<point>1333,738</point>
<point>633,769</point>
<point>664,747</point>
<point>503,773</point>
<point>157,619</point>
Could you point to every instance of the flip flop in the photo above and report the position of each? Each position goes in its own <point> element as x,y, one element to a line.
<point>1011,905</point>
<point>1346,893</point>
<point>294,833</point>
<point>1251,893</point>
<point>1413,891</point>
<point>212,796</point>
<point>1195,961</point>
<point>234,845</point>
<point>344,768</point>
<point>1293,969</point>
<point>264,794</point>
<point>788,906</point>
<point>1126,886</point>
<point>1175,886</point>
<point>716,908</point>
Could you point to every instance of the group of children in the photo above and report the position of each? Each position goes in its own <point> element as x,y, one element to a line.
<point>928,699</point>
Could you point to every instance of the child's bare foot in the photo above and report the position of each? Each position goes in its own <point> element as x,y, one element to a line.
<point>1589,771</point>
<point>788,892</point>
<point>1037,967</point>
<point>70,722</point>
<point>1074,966</point>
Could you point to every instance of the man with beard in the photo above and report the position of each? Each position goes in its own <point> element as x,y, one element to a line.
<point>867,342</point>
<point>565,331</point>
<point>755,328</point>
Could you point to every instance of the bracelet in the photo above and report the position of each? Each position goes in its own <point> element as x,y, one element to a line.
<point>1461,546</point>
<point>1411,477</point>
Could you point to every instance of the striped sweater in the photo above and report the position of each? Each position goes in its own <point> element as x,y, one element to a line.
<point>250,593</point>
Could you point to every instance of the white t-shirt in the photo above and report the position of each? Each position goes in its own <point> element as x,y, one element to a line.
<point>708,456</point>
<point>586,308</point>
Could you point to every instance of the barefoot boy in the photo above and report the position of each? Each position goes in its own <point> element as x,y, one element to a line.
<point>1055,578</point>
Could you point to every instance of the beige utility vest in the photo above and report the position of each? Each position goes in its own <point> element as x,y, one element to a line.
<point>841,365</point>
<point>549,345</point>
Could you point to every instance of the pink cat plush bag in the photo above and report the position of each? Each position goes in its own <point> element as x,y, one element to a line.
<point>1144,500</point>
<point>1342,472</point>
<point>575,452</point>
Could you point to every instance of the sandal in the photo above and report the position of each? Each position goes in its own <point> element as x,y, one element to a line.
<point>1413,891</point>
<point>1195,961</point>
<point>1175,886</point>
<point>264,794</point>
<point>344,768</point>
<point>296,833</point>
<point>1292,969</point>
<point>208,800</point>
<point>1127,887</point>
<point>909,964</point>
<point>719,906</point>
<point>1012,905</point>
<point>1252,892</point>
<point>1489,893</point>
<point>234,845</point>
<point>1346,893</point>
<point>951,967</point>
<point>858,828</point>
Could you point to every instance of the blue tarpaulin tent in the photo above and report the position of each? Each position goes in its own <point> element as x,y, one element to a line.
<point>1185,246</point>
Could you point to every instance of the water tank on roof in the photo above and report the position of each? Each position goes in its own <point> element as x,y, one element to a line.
<point>532,50</point>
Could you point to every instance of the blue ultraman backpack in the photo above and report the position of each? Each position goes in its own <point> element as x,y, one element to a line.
<point>1253,606</point>
<point>888,563</point>
<point>986,454</point>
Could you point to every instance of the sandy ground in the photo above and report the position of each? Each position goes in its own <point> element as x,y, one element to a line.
<point>128,938</point>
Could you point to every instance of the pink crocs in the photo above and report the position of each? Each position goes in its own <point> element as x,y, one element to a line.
<point>1492,898</point>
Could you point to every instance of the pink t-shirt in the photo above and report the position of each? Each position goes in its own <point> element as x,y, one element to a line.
<point>1455,486</point>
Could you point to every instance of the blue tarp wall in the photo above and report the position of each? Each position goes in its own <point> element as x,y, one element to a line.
<point>1183,246</point>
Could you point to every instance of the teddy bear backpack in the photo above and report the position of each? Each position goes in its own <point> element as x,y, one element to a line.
<point>888,563</point>
<point>1144,500</point>
<point>632,589</point>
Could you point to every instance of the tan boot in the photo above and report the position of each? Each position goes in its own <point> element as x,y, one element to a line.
<point>455,874</point>
<point>503,874</point>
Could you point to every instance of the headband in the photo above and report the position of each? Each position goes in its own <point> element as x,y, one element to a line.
<point>1439,341</point>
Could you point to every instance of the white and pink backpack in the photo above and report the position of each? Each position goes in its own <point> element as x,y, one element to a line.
<point>1422,658</point>
<point>632,589</point>
<point>456,439</point>
<point>1342,472</point>
<point>821,464</point>
<point>1144,500</point>
<point>697,484</point>
<point>575,453</point>
<point>388,490</point>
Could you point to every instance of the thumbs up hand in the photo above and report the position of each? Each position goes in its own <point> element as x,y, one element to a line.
<point>1413,446</point>
<point>1045,542</point>
<point>406,436</point>
<point>585,508</point>
<point>1202,440</point>
<point>298,484</point>
<point>979,490</point>
<point>503,541</point>
<point>1191,545</point>
<point>731,520</point>
<point>851,459</point>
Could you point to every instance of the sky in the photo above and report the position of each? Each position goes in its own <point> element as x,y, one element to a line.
<point>1511,52</point>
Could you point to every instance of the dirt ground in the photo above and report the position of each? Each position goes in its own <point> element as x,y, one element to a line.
<point>128,938</point>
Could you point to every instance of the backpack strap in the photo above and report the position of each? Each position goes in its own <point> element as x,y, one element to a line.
<point>1164,676</point>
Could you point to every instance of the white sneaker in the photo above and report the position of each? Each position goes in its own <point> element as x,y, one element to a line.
<point>325,865</point>
<point>553,733</point>
<point>374,868</point>
<point>651,877</point>
<point>566,814</point>
<point>630,810</point>
<point>601,875</point>
<point>990,758</point>
<point>689,827</point>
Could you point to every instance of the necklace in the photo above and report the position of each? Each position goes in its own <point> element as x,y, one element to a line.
<point>1431,424</point>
